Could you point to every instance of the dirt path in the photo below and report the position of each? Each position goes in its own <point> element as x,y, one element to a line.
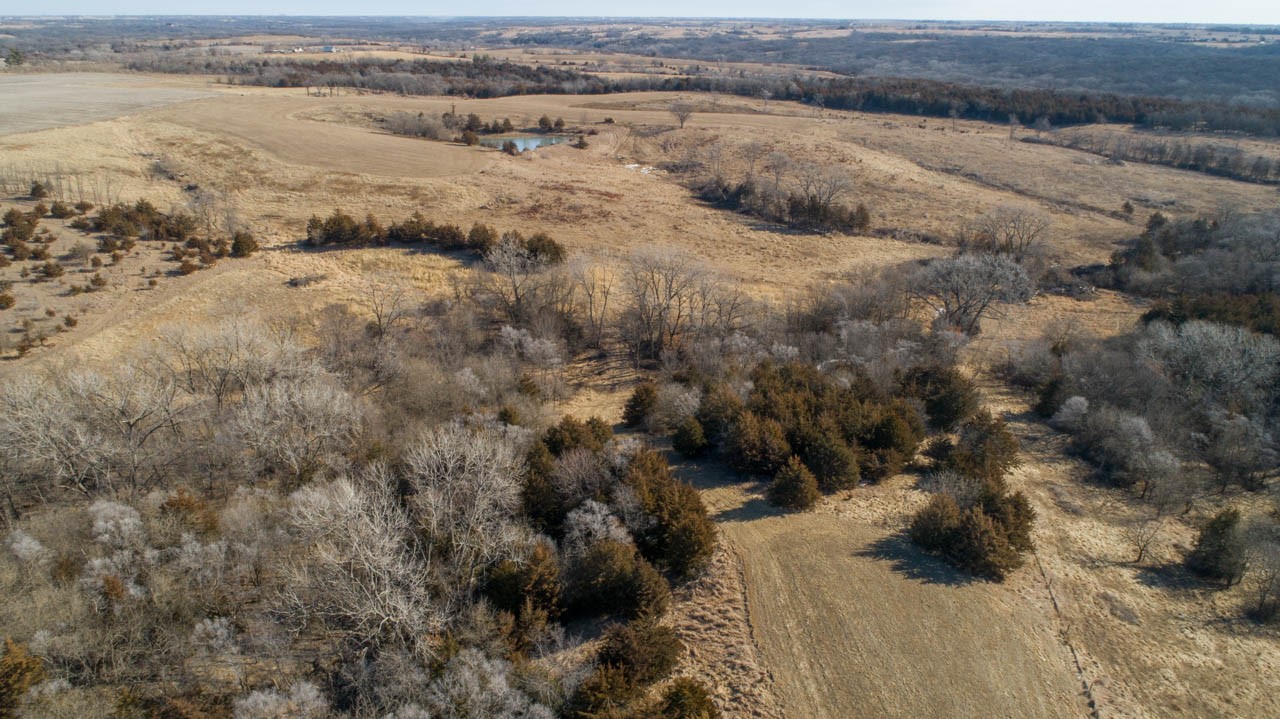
<point>852,621</point>
<point>846,619</point>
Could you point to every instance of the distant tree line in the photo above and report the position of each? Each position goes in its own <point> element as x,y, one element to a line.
<point>1209,157</point>
<point>486,78</point>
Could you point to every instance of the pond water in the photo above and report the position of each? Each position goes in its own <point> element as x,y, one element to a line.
<point>523,142</point>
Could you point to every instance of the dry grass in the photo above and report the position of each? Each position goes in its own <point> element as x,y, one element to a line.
<point>37,102</point>
<point>845,618</point>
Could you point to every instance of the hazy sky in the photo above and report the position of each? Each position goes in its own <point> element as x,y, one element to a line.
<point>1228,11</point>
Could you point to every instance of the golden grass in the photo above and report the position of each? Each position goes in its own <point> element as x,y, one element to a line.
<point>839,627</point>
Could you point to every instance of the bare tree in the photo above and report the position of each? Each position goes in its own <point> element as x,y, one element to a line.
<point>467,487</point>
<point>753,152</point>
<point>473,686</point>
<point>681,110</point>
<point>388,304</point>
<point>1220,364</point>
<point>89,431</point>
<point>222,359</point>
<point>778,164</point>
<point>298,426</point>
<point>594,288</point>
<point>518,273</point>
<point>660,288</point>
<point>1142,528</point>
<point>1262,537</point>
<point>361,574</point>
<point>822,184</point>
<point>1239,449</point>
<point>1163,499</point>
<point>135,411</point>
<point>42,438</point>
<point>1007,230</point>
<point>964,289</point>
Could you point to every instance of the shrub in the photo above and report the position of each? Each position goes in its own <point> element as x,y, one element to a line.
<point>794,486</point>
<point>982,548</point>
<point>645,650</point>
<point>481,238</point>
<point>243,244</point>
<point>541,502</point>
<point>681,536</point>
<point>949,397</point>
<point>689,439</point>
<point>38,191</point>
<point>606,693</point>
<point>51,270</point>
<point>572,433</point>
<point>985,448</point>
<point>1220,551</point>
<point>536,580</point>
<point>611,578</point>
<point>718,411</point>
<point>187,267</point>
<point>61,210</point>
<point>1013,514</point>
<point>470,138</point>
<point>933,527</point>
<point>640,404</point>
<point>545,249</point>
<point>19,671</point>
<point>834,464</point>
<point>986,545</point>
<point>7,300</point>
<point>757,446</point>
<point>687,698</point>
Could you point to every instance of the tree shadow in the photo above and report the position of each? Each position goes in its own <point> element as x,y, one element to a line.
<point>749,511</point>
<point>1171,577</point>
<point>466,257</point>
<point>913,563</point>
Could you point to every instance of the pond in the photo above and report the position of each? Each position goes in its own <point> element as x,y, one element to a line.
<point>524,142</point>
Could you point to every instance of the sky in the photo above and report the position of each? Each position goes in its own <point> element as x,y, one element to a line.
<point>1163,11</point>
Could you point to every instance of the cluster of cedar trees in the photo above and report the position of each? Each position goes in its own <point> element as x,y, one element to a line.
<point>1231,296</point>
<point>120,226</point>
<point>121,223</point>
<point>813,434</point>
<point>986,531</point>
<point>612,577</point>
<point>342,229</point>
